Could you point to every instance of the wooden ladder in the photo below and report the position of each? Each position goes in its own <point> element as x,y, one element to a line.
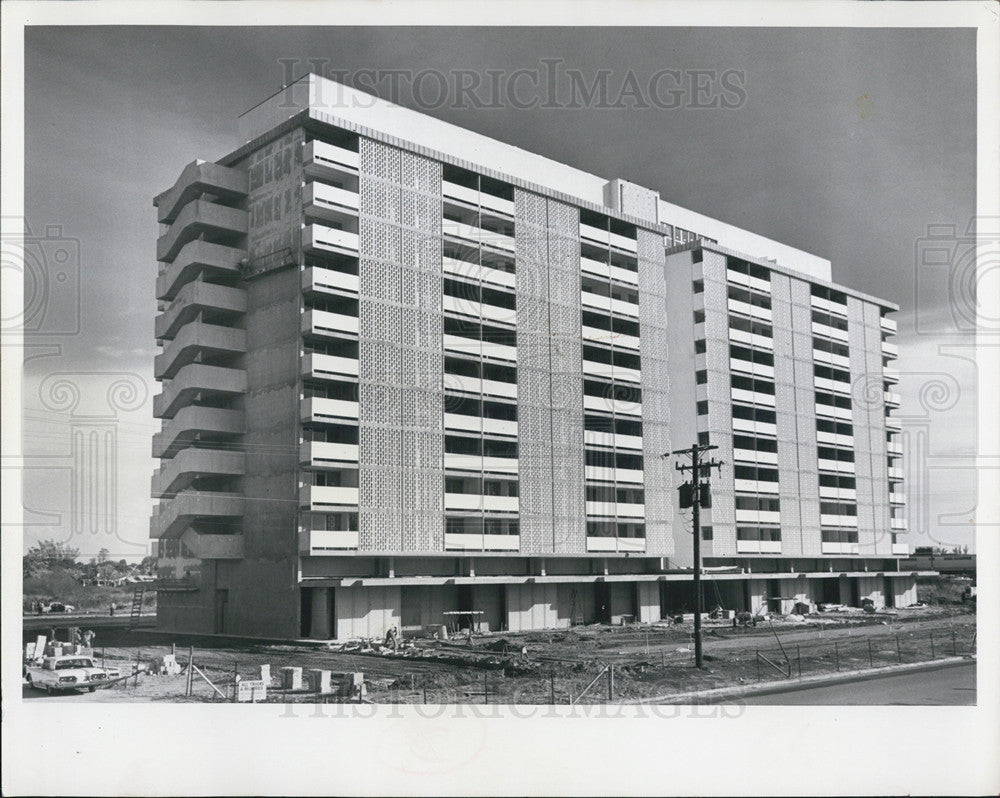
<point>137,595</point>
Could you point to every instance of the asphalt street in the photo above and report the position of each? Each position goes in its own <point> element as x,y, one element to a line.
<point>950,686</point>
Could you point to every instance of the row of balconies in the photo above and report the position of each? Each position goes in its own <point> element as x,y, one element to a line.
<point>607,404</point>
<point>832,386</point>
<point>616,544</point>
<point>821,303</point>
<point>751,339</point>
<point>193,423</point>
<point>755,486</point>
<point>194,379</point>
<point>478,310</point>
<point>475,347</point>
<point>611,338</point>
<point>199,218</point>
<point>743,308</point>
<point>833,439</point>
<point>316,280</point>
<point>831,359</point>
<point>490,426</point>
<point>746,367</point>
<point>194,258</point>
<point>173,517</point>
<point>758,547</point>
<point>750,397</point>
<point>612,439</point>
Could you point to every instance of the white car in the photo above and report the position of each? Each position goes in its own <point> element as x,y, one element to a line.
<point>68,672</point>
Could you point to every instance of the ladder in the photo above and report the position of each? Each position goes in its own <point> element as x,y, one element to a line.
<point>576,610</point>
<point>137,595</point>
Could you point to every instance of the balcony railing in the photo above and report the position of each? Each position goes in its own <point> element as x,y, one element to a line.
<point>196,298</point>
<point>320,497</point>
<point>328,281</point>
<point>178,473</point>
<point>197,218</point>
<point>170,519</point>
<point>194,339</point>
<point>322,323</point>
<point>193,379</point>
<point>320,159</point>
<point>319,454</point>
<point>838,548</point>
<point>201,177</point>
<point>319,542</point>
<point>328,239</point>
<point>194,422</point>
<point>194,258</point>
<point>329,203</point>
<point>214,547</point>
<point>319,366</point>
<point>319,409</point>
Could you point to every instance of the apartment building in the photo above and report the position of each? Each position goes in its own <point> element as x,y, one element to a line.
<point>412,374</point>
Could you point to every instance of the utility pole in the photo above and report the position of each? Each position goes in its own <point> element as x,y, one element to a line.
<point>695,487</point>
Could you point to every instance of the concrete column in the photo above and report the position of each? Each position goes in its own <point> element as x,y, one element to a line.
<point>319,628</point>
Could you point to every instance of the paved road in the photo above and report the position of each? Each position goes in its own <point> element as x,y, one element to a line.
<point>952,686</point>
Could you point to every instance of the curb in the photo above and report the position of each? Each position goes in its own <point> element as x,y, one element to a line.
<point>721,694</point>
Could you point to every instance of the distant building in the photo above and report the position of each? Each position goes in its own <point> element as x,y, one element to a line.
<point>410,370</point>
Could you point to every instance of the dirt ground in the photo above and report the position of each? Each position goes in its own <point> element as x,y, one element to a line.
<point>556,666</point>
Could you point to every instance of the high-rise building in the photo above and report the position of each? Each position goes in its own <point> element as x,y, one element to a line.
<point>412,374</point>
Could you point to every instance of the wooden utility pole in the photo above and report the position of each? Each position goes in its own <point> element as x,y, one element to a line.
<point>695,487</point>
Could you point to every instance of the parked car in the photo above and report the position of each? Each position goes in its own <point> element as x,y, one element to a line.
<point>68,672</point>
<point>58,606</point>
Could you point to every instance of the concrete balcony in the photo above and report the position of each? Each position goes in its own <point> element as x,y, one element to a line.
<point>319,367</point>
<point>890,350</point>
<point>900,549</point>
<point>888,325</point>
<point>195,379</point>
<point>196,423</point>
<point>838,548</point>
<point>320,454</point>
<point>745,280</point>
<point>891,399</point>
<point>754,456</point>
<point>475,463</point>
<point>320,159</point>
<point>830,307</point>
<point>832,386</point>
<point>615,544</point>
<point>830,359</point>
<point>500,426</point>
<point>826,331</point>
<point>895,472</point>
<point>495,351</point>
<point>196,298</point>
<point>893,448</point>
<point>593,368</point>
<point>188,465</point>
<point>757,427</point>
<point>194,339</point>
<point>754,369</point>
<point>196,219</point>
<point>611,405</point>
<point>474,197</point>
<point>756,486</point>
<point>898,524</point>
<point>896,498</point>
<point>328,239</point>
<point>195,258</point>
<point>213,547</point>
<point>893,424</point>
<point>620,340</point>
<point>837,466</point>
<point>838,494</point>
<point>595,267</point>
<point>474,502</point>
<point>624,243</point>
<point>323,324</point>
<point>758,547</point>
<point>327,203</point>
<point>316,280</point>
<point>829,411</point>
<point>459,541</point>
<point>319,542</point>
<point>758,517</point>
<point>635,512</point>
<point>754,311</point>
<point>478,235</point>
<point>172,518</point>
<point>621,475</point>
<point>846,521</point>
<point>318,409</point>
<point>318,498</point>
<point>626,276</point>
<point>201,178</point>
<point>890,374</point>
<point>752,397</point>
<point>460,382</point>
<point>833,439</point>
<point>473,271</point>
<point>751,339</point>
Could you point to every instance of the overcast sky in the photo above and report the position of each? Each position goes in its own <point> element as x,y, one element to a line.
<point>845,143</point>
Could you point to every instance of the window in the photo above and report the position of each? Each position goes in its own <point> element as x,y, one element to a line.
<point>699,346</point>
<point>706,533</point>
<point>701,377</point>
